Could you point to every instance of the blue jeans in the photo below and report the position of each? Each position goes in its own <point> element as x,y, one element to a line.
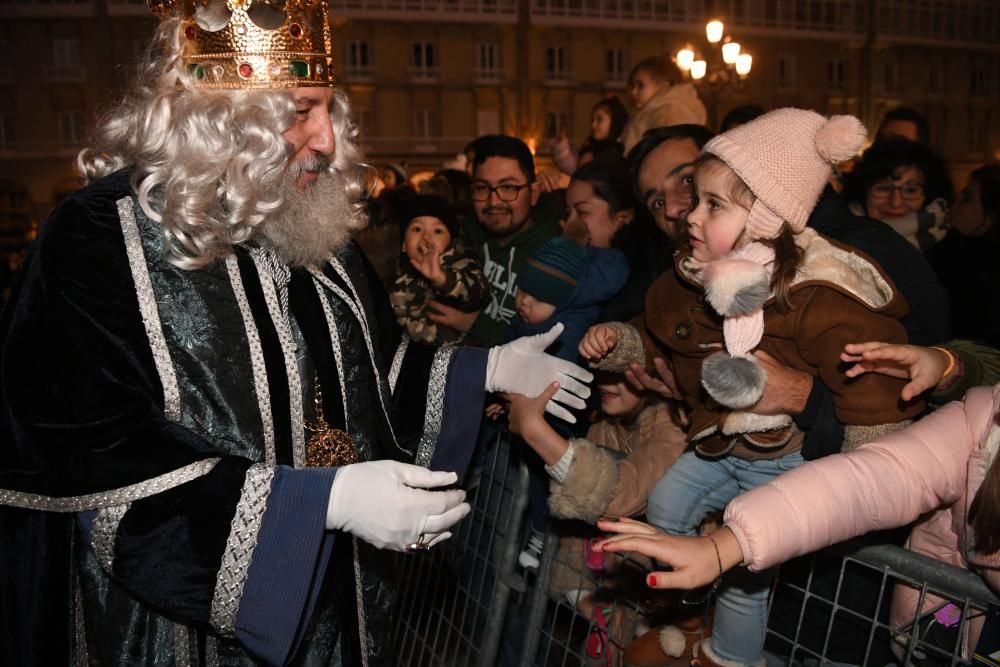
<point>692,488</point>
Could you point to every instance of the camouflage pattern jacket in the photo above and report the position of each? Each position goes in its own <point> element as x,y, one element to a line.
<point>464,288</point>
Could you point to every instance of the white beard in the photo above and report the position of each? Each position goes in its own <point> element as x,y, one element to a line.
<point>312,224</point>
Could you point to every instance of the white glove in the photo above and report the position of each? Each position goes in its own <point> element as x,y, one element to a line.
<point>384,503</point>
<point>522,367</point>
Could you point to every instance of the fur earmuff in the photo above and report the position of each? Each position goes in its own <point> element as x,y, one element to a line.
<point>736,287</point>
<point>736,382</point>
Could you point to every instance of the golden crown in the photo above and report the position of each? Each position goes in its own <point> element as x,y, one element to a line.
<point>231,44</point>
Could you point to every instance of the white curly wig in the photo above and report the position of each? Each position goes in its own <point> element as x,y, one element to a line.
<point>210,165</point>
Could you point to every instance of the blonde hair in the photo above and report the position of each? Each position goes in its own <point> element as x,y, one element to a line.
<point>208,165</point>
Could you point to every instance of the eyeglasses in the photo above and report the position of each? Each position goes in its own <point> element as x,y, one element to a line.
<point>481,191</point>
<point>912,192</point>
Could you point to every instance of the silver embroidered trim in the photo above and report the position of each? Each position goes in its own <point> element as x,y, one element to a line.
<point>435,405</point>
<point>397,362</point>
<point>211,652</point>
<point>342,272</point>
<point>103,533</point>
<point>239,548</point>
<point>257,364</point>
<point>148,309</point>
<point>94,501</point>
<point>80,635</point>
<point>358,588</point>
<point>182,647</point>
<point>329,284</point>
<point>335,342</point>
<point>288,348</point>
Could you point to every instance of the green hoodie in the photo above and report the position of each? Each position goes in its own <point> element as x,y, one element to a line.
<point>500,266</point>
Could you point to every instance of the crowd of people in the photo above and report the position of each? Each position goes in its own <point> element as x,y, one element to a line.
<point>219,414</point>
<point>753,303</point>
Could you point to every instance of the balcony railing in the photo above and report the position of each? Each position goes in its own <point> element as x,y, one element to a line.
<point>412,145</point>
<point>559,78</point>
<point>64,73</point>
<point>749,16</point>
<point>487,75</point>
<point>423,74</point>
<point>55,9</point>
<point>127,8</point>
<point>493,11</point>
<point>358,73</point>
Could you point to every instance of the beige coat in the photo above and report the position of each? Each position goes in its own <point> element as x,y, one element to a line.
<point>601,484</point>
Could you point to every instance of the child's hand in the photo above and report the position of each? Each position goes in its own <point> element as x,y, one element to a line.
<point>494,410</point>
<point>924,366</point>
<point>527,415</point>
<point>428,262</point>
<point>599,340</point>
<point>694,560</point>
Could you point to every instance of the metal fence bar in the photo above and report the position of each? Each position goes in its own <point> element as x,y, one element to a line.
<point>454,602</point>
<point>504,583</point>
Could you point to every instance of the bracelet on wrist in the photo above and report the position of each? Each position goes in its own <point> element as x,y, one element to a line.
<point>718,559</point>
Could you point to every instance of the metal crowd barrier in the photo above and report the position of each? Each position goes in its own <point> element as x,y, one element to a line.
<point>468,603</point>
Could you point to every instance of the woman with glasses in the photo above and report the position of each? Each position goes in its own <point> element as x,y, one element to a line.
<point>905,185</point>
<point>966,260</point>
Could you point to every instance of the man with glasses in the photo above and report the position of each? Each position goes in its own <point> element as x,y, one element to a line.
<point>506,231</point>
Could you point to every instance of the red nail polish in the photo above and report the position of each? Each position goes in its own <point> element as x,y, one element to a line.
<point>651,580</point>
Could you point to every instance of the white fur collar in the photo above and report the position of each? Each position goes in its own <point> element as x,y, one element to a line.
<point>822,262</point>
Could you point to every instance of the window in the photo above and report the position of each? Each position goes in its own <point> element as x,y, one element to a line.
<point>71,126</point>
<point>556,68</point>
<point>787,74</point>
<point>425,123</point>
<point>487,57</point>
<point>364,119</point>
<point>890,77</point>
<point>358,54</point>
<point>359,63</point>
<point>423,63</point>
<point>836,74</point>
<point>935,77</point>
<point>555,122</point>
<point>66,52</point>
<point>7,135</point>
<point>614,66</point>
<point>424,56</point>
<point>488,62</point>
<point>977,78</point>
<point>979,134</point>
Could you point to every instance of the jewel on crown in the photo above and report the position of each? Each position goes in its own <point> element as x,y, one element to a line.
<point>231,44</point>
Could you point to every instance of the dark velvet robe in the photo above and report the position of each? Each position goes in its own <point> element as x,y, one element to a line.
<point>154,507</point>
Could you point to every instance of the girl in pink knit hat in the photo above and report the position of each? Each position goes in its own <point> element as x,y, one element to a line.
<point>753,279</point>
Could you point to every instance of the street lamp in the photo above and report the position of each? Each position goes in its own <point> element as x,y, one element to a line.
<point>719,64</point>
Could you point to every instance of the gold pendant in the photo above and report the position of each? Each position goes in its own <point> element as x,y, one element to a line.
<point>328,446</point>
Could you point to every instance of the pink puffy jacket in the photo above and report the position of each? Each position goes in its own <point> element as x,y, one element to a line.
<point>934,466</point>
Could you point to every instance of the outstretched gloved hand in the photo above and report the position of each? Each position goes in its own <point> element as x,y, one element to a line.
<point>522,367</point>
<point>386,504</point>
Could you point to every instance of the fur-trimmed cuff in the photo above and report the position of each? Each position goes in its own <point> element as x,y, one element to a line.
<point>590,484</point>
<point>855,435</point>
<point>710,657</point>
<point>749,422</point>
<point>628,351</point>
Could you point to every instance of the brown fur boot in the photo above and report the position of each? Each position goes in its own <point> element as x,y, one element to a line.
<point>668,645</point>
<point>705,657</point>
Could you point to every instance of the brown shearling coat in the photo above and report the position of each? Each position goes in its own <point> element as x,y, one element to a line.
<point>839,296</point>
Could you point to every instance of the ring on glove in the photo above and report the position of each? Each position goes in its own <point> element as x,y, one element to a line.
<point>419,546</point>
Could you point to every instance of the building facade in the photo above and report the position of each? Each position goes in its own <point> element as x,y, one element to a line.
<point>426,76</point>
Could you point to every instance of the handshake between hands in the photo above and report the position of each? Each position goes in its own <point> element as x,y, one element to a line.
<point>398,506</point>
